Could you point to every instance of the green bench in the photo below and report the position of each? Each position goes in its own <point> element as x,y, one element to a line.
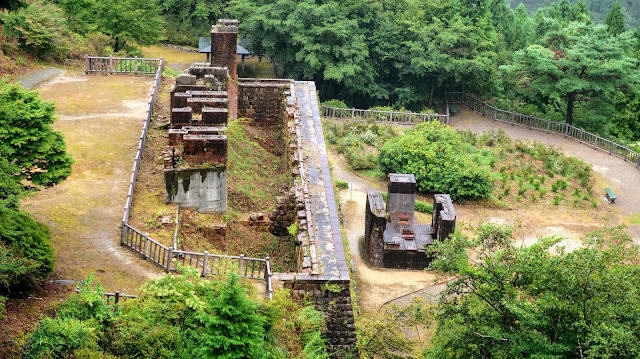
<point>612,197</point>
<point>452,110</point>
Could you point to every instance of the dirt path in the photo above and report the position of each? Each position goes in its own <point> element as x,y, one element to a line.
<point>101,118</point>
<point>622,177</point>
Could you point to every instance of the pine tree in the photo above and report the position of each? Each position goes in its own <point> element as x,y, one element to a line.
<point>615,20</point>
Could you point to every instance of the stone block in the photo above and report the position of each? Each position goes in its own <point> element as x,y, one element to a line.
<point>205,149</point>
<point>180,117</point>
<point>214,116</point>
<point>179,99</point>
<point>185,79</point>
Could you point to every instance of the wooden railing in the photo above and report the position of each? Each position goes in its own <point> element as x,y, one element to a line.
<point>382,116</point>
<point>534,123</point>
<point>205,263</point>
<point>122,65</point>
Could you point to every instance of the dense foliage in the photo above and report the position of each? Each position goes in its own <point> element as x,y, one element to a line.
<point>513,301</point>
<point>32,156</point>
<point>27,139</point>
<point>555,63</point>
<point>180,317</point>
<point>436,156</point>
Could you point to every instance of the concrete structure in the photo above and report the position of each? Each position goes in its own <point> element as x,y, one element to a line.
<point>393,237</point>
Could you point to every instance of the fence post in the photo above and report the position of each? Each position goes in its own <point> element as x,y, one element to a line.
<point>267,277</point>
<point>391,116</point>
<point>353,113</point>
<point>548,126</point>
<point>86,64</point>
<point>170,259</point>
<point>136,60</point>
<point>204,265</point>
<point>240,262</point>
<point>117,297</point>
<point>495,114</point>
<point>122,232</point>
<point>145,251</point>
<point>110,64</point>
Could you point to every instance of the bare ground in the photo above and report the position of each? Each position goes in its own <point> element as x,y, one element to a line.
<point>84,212</point>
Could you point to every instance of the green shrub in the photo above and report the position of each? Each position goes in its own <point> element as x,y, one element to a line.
<point>341,184</point>
<point>423,207</point>
<point>434,154</point>
<point>60,338</point>
<point>27,238</point>
<point>16,270</point>
<point>335,103</point>
<point>40,28</point>
<point>559,185</point>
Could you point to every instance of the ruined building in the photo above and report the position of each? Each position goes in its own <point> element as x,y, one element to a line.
<point>203,100</point>
<point>393,237</point>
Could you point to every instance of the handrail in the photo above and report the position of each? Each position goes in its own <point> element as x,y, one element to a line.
<point>382,116</point>
<point>544,125</point>
<point>121,65</point>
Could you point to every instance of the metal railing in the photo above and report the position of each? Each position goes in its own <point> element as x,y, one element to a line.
<point>121,65</point>
<point>167,257</point>
<point>535,123</point>
<point>382,116</point>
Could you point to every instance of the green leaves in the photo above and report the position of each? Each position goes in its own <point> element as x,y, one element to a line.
<point>27,139</point>
<point>435,155</point>
<point>538,301</point>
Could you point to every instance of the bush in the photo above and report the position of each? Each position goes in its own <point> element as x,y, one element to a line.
<point>341,184</point>
<point>423,207</point>
<point>41,29</point>
<point>60,338</point>
<point>26,238</point>
<point>434,154</point>
<point>335,103</point>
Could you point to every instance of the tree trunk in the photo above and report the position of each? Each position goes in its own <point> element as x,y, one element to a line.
<point>116,47</point>
<point>571,98</point>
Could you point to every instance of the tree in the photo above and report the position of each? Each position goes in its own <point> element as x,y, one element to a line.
<point>615,20</point>
<point>435,151</point>
<point>323,41</point>
<point>27,140</point>
<point>40,28</point>
<point>512,301</point>
<point>126,21</point>
<point>579,63</point>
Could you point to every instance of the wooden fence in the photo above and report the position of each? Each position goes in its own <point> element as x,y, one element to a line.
<point>382,116</point>
<point>167,257</point>
<point>122,65</point>
<point>205,263</point>
<point>540,124</point>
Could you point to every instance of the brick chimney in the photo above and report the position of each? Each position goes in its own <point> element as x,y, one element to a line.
<point>224,41</point>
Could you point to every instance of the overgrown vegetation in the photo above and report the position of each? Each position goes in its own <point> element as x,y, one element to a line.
<point>359,142</point>
<point>257,169</point>
<point>465,165</point>
<point>510,301</point>
<point>178,317</point>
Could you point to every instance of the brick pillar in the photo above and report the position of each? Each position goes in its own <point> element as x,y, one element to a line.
<point>224,41</point>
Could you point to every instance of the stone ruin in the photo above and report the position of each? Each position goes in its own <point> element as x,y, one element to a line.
<point>393,237</point>
<point>202,101</point>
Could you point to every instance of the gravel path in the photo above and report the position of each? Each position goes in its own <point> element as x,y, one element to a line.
<point>37,77</point>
